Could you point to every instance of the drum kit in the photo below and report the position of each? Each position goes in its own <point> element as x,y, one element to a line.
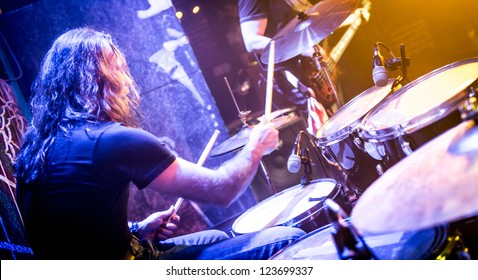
<point>408,153</point>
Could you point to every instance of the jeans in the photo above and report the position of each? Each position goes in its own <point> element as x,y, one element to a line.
<point>217,245</point>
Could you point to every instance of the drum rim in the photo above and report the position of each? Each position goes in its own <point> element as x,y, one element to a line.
<point>294,221</point>
<point>420,121</point>
<point>350,128</point>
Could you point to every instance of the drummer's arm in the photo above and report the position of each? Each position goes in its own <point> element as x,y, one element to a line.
<point>255,41</point>
<point>223,185</point>
<point>253,35</point>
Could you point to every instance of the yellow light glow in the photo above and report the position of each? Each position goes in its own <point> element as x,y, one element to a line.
<point>179,14</point>
<point>196,10</point>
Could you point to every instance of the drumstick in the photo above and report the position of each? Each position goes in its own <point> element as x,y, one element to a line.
<point>270,80</point>
<point>201,160</point>
<point>289,207</point>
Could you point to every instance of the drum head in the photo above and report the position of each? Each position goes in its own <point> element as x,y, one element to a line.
<point>349,116</point>
<point>410,245</point>
<point>422,101</point>
<point>286,207</point>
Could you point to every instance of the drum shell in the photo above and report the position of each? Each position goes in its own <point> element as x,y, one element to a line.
<point>340,132</point>
<point>363,170</point>
<point>393,149</point>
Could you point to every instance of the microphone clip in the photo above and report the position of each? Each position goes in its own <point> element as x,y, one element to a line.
<point>395,62</point>
<point>307,163</point>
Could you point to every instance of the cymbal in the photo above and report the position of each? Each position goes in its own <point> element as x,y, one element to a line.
<point>239,140</point>
<point>301,34</point>
<point>434,185</point>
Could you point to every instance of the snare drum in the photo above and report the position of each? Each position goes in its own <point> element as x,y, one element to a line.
<point>298,206</point>
<point>418,112</point>
<point>408,245</point>
<point>340,143</point>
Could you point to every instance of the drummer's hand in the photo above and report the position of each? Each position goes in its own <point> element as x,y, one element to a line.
<point>155,228</point>
<point>265,137</point>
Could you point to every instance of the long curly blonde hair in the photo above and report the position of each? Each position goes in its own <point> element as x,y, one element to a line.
<point>83,78</point>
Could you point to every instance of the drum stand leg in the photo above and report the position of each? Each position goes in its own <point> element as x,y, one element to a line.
<point>318,59</point>
<point>268,178</point>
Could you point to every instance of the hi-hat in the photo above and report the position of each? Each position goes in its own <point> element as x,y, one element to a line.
<point>309,28</point>
<point>434,185</point>
<point>238,141</point>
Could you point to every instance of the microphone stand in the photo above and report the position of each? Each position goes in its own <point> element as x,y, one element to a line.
<point>312,140</point>
<point>405,62</point>
<point>318,59</point>
<point>350,245</point>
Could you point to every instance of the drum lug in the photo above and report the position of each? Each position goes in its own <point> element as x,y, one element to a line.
<point>328,157</point>
<point>375,150</point>
<point>359,144</point>
<point>379,169</point>
<point>469,108</point>
<point>406,147</point>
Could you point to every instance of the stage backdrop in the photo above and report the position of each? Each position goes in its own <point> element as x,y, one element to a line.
<point>177,102</point>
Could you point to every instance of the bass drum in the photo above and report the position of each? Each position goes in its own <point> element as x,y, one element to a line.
<point>418,112</point>
<point>410,245</point>
<point>299,206</point>
<point>340,144</point>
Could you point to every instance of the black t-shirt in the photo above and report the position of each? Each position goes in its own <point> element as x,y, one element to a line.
<point>79,208</point>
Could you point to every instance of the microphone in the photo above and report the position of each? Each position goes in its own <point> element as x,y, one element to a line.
<point>294,162</point>
<point>379,72</point>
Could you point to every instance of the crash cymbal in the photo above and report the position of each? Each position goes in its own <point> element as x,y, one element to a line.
<point>434,185</point>
<point>309,29</point>
<point>239,140</point>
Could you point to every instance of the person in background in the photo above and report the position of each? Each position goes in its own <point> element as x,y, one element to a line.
<point>260,21</point>
<point>85,146</point>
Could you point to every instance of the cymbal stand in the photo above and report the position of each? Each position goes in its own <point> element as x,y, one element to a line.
<point>319,63</point>
<point>349,243</point>
<point>243,118</point>
<point>241,114</point>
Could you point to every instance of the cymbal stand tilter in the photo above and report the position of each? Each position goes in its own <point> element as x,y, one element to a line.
<point>319,63</point>
<point>243,118</point>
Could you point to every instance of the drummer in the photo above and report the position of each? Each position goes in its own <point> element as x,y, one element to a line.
<point>260,20</point>
<point>85,147</point>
